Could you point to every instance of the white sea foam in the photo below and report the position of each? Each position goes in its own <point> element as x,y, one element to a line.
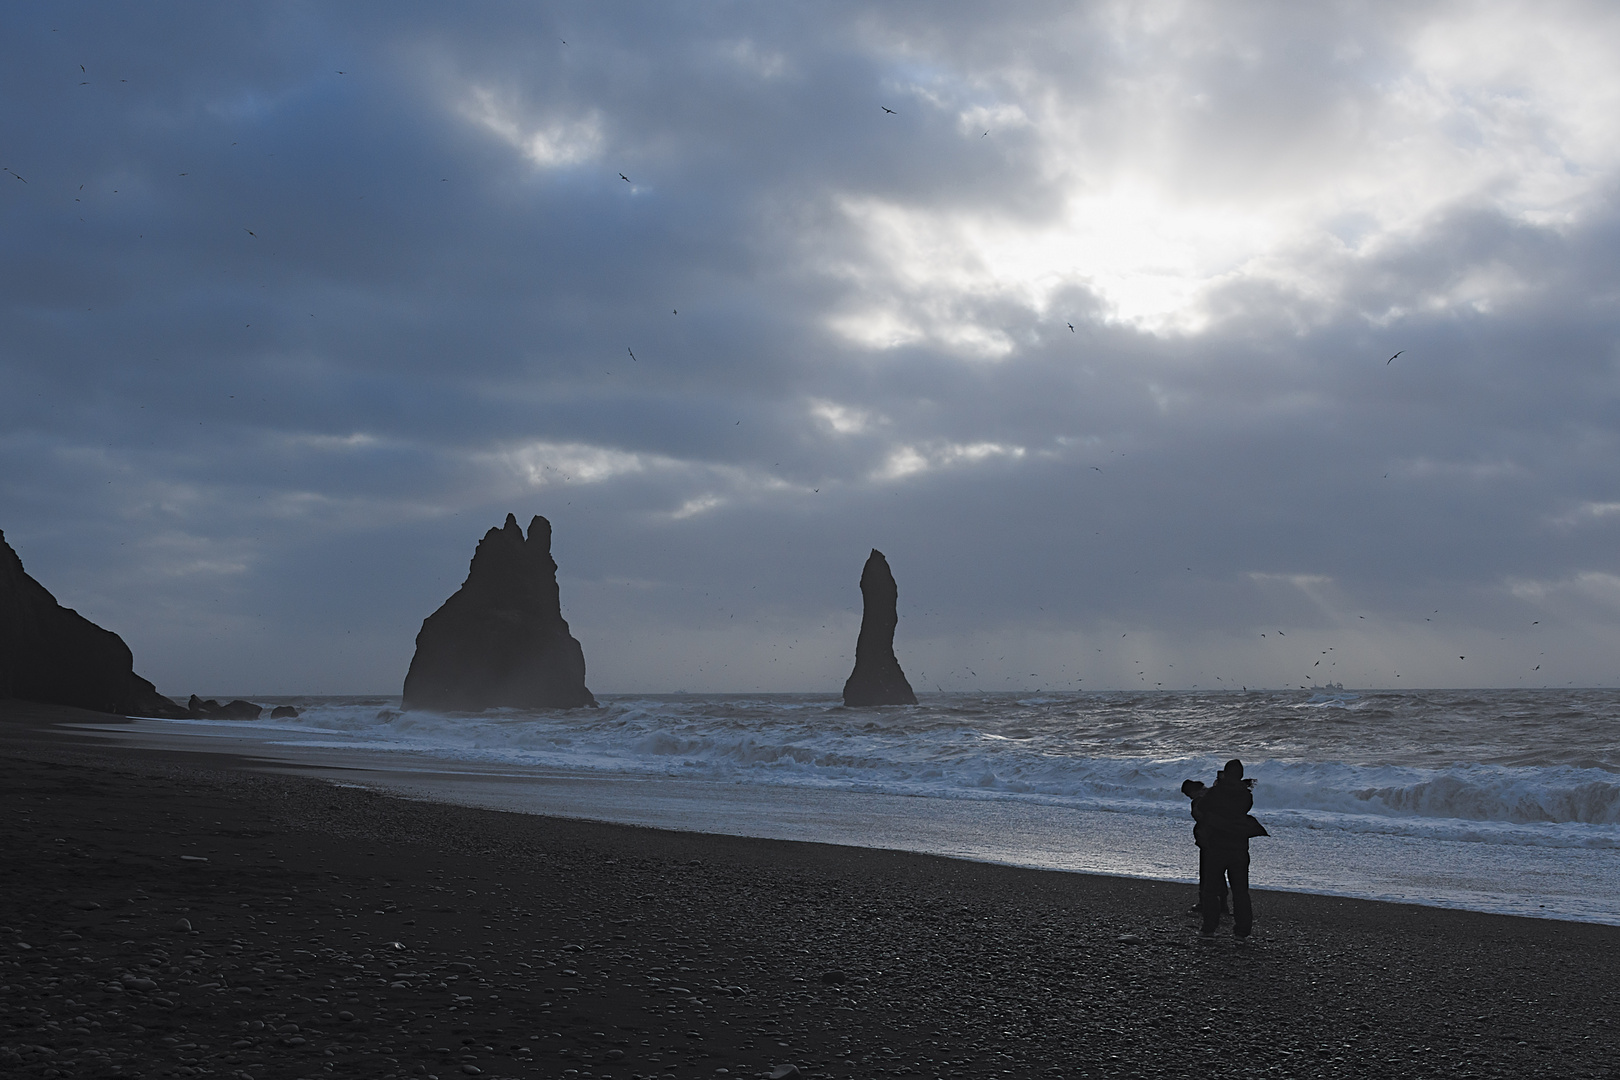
<point>1499,801</point>
<point>1458,767</point>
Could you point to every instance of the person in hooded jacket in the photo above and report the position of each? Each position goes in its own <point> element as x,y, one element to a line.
<point>1223,831</point>
<point>1194,790</point>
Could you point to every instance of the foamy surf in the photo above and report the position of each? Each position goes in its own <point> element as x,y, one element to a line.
<point>1413,777</point>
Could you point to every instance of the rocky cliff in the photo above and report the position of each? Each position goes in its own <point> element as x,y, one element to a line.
<point>501,639</point>
<point>877,678</point>
<point>51,653</point>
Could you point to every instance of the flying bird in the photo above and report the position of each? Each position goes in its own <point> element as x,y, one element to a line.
<point>251,233</point>
<point>623,177</point>
<point>1071,327</point>
<point>886,109</point>
<point>1391,360</point>
<point>632,353</point>
<point>24,181</point>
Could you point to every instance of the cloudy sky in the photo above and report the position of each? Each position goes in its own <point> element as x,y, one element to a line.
<point>1089,334</point>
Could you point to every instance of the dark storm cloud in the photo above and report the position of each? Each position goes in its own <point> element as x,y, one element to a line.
<point>281,342</point>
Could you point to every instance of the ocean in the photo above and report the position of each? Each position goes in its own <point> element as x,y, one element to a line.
<point>1504,801</point>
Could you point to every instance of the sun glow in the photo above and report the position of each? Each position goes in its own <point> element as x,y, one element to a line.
<point>1154,201</point>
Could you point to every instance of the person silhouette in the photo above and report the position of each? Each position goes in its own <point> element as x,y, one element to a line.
<point>1224,826</point>
<point>1195,789</point>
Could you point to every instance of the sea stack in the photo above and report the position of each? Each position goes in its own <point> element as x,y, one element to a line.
<point>53,654</point>
<point>501,641</point>
<point>877,678</point>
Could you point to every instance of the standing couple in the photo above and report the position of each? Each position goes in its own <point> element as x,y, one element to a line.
<point>1222,831</point>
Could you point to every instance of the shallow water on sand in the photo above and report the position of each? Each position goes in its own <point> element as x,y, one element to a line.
<point>1493,800</point>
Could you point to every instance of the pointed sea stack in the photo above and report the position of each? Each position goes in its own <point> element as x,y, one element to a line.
<point>501,639</point>
<point>877,678</point>
<point>53,654</point>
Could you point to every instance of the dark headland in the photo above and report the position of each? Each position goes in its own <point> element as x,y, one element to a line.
<point>501,640</point>
<point>177,915</point>
<point>877,678</point>
<point>53,654</point>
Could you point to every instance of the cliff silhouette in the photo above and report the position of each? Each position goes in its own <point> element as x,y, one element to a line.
<point>877,678</point>
<point>501,640</point>
<point>52,654</point>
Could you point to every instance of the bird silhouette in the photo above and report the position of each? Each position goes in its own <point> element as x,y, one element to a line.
<point>251,233</point>
<point>1391,360</point>
<point>623,177</point>
<point>1071,328</point>
<point>886,109</point>
<point>632,353</point>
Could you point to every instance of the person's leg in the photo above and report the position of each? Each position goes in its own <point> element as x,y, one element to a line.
<point>1211,884</point>
<point>1237,870</point>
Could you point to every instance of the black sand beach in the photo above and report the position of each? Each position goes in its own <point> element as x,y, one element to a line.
<point>193,915</point>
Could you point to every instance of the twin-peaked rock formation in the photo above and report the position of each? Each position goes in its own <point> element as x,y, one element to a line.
<point>53,654</point>
<point>877,678</point>
<point>501,639</point>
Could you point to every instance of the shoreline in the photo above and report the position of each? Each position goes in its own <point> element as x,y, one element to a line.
<point>1566,883</point>
<point>534,945</point>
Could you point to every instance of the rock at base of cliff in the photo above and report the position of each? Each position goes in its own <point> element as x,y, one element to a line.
<point>209,709</point>
<point>53,654</point>
<point>877,678</point>
<point>501,640</point>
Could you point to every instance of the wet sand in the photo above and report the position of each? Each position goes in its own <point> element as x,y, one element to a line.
<point>172,914</point>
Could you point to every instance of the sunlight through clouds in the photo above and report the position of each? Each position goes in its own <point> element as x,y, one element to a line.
<point>1151,214</point>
